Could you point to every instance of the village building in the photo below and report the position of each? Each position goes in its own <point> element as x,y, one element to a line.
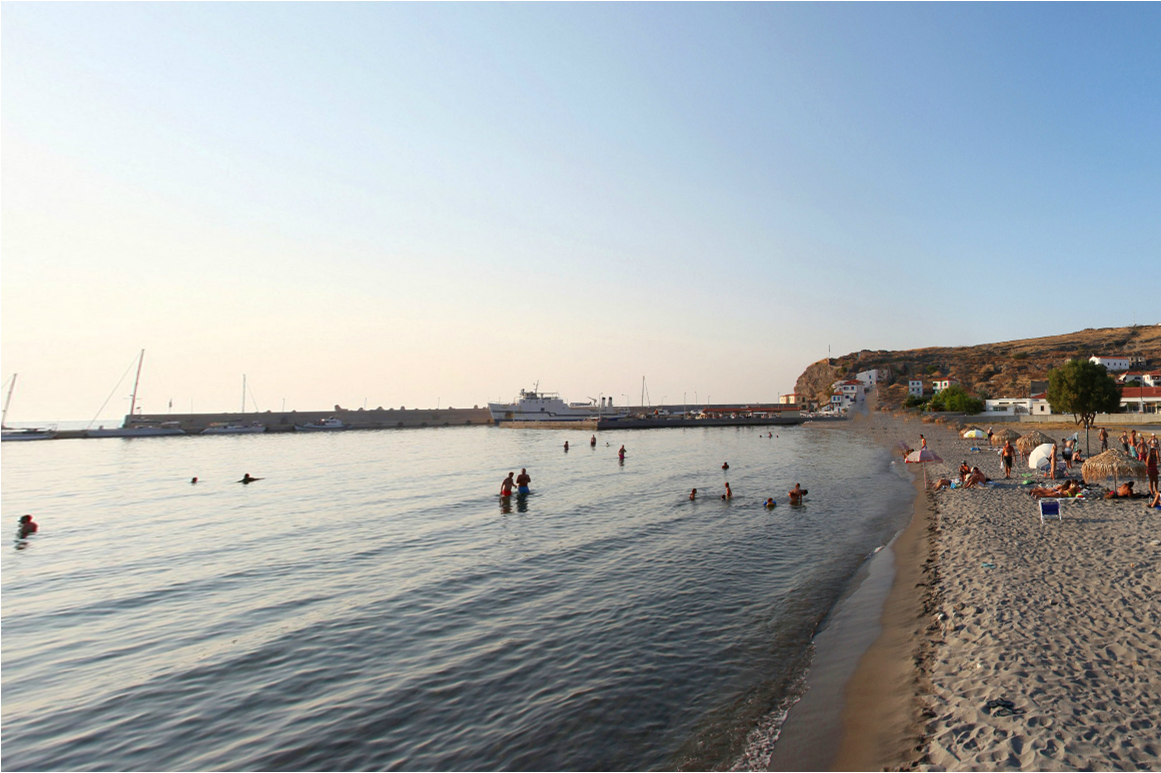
<point>915,387</point>
<point>941,384</point>
<point>1141,399</point>
<point>1112,363</point>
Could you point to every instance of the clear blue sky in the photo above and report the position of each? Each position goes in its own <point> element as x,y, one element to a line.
<point>405,203</point>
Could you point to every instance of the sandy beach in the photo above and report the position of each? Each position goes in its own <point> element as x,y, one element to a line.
<point>1007,643</point>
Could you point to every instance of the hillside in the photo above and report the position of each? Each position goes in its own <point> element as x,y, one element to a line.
<point>1005,369</point>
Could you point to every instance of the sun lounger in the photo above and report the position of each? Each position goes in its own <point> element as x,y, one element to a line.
<point>1049,508</point>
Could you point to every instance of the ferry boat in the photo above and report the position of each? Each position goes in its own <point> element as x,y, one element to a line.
<point>534,405</point>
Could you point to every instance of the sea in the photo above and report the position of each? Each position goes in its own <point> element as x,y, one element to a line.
<point>371,603</point>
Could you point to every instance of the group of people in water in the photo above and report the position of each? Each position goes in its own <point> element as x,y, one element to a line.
<point>795,495</point>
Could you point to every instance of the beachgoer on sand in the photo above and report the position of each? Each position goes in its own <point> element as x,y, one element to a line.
<point>1007,456</point>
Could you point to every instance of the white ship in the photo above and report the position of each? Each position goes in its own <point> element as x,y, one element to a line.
<point>534,405</point>
<point>234,428</point>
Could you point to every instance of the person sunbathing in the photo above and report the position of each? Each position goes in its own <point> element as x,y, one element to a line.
<point>1069,488</point>
<point>1156,501</point>
<point>942,483</point>
<point>1124,491</point>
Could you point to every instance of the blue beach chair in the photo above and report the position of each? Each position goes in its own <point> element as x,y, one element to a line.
<point>1049,508</point>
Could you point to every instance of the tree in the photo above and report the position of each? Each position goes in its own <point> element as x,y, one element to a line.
<point>1083,389</point>
<point>955,398</point>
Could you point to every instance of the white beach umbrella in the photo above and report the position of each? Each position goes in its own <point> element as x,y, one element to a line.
<point>975,433</point>
<point>1040,457</point>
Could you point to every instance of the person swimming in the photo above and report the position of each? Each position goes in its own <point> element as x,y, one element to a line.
<point>522,481</point>
<point>506,486</point>
<point>248,478</point>
<point>693,495</point>
<point>194,479</point>
<point>725,465</point>
<point>770,503</point>
<point>25,527</point>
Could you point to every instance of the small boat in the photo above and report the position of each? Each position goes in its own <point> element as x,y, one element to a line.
<point>326,425</point>
<point>137,427</point>
<point>31,433</point>
<point>234,428</point>
<point>28,433</point>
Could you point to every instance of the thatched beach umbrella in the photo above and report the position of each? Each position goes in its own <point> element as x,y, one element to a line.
<point>1003,436</point>
<point>1114,463</point>
<point>1034,438</point>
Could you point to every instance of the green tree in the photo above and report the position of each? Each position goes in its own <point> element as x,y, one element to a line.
<point>956,398</point>
<point>1083,389</point>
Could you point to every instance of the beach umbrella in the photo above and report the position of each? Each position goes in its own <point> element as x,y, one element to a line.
<point>1040,457</point>
<point>1115,463</point>
<point>1003,436</point>
<point>922,456</point>
<point>975,433</point>
<point>1034,438</point>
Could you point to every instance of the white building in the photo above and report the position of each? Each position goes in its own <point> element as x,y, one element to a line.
<point>851,389</point>
<point>1141,399</point>
<point>868,378</point>
<point>1036,405</point>
<point>941,384</point>
<point>915,387</point>
<point>1119,362</point>
<point>1148,379</point>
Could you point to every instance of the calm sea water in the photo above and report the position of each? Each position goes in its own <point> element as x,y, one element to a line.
<point>370,604</point>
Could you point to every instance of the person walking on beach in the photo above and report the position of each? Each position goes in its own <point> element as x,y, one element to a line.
<point>1066,452</point>
<point>1151,469</point>
<point>507,485</point>
<point>1103,436</point>
<point>1125,441</point>
<point>522,481</point>
<point>1007,456</point>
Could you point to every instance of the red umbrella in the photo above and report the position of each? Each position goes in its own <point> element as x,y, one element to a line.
<point>922,456</point>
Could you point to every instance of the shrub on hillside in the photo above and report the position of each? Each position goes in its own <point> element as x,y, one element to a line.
<point>955,398</point>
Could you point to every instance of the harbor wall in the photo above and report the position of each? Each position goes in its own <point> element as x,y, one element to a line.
<point>284,421</point>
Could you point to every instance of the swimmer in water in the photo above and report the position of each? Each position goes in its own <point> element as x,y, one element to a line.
<point>506,486</point>
<point>194,479</point>
<point>729,494</point>
<point>593,441</point>
<point>248,478</point>
<point>693,495</point>
<point>770,504</point>
<point>25,527</point>
<point>725,465</point>
<point>796,494</point>
<point>522,481</point>
<point>566,446</point>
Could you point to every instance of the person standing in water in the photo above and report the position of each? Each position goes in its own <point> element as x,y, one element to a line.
<point>25,527</point>
<point>797,493</point>
<point>522,481</point>
<point>621,454</point>
<point>693,495</point>
<point>729,494</point>
<point>566,446</point>
<point>506,486</point>
<point>593,442</point>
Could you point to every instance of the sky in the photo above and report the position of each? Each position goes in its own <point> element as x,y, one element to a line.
<point>441,203</point>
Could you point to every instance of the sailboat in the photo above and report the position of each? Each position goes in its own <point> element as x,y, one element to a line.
<point>236,427</point>
<point>30,433</point>
<point>137,427</point>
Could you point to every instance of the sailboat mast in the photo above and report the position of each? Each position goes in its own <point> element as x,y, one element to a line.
<point>136,380</point>
<point>243,393</point>
<point>7,400</point>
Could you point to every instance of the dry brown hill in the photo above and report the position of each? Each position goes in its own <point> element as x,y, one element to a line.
<point>1004,369</point>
